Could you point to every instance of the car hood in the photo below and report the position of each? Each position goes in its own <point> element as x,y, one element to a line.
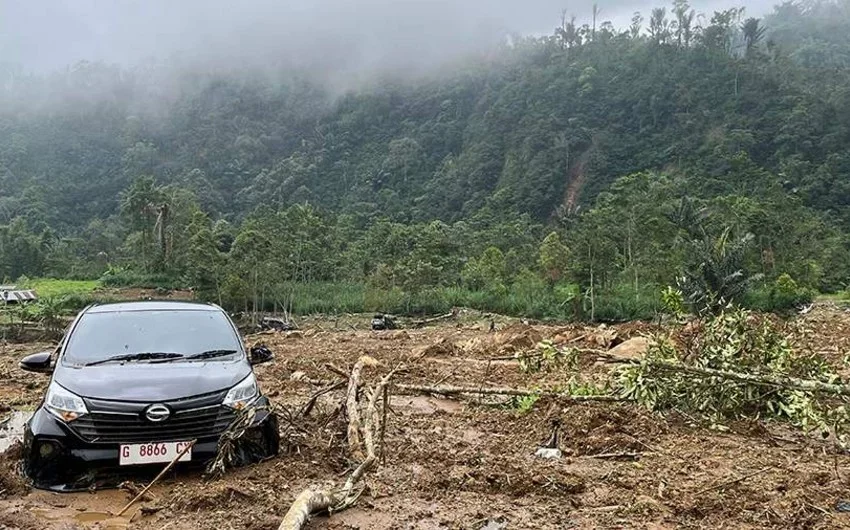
<point>151,382</point>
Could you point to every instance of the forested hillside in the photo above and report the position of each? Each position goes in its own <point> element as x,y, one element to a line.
<point>575,174</point>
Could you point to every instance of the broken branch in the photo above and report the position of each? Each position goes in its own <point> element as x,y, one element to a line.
<point>156,479</point>
<point>351,406</point>
<point>629,455</point>
<point>305,411</point>
<point>792,383</point>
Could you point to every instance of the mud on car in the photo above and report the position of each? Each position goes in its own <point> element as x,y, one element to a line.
<point>132,383</point>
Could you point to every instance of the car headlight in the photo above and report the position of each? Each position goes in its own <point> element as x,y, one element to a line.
<point>243,394</point>
<point>64,404</point>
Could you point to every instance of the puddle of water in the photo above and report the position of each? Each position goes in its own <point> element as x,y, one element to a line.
<point>427,404</point>
<point>46,513</point>
<point>92,517</point>
<point>102,520</point>
<point>109,521</point>
<point>12,429</point>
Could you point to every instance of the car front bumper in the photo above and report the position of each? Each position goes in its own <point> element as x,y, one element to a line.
<point>57,458</point>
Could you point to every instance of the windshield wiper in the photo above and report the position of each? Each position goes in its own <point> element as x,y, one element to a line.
<point>144,356</point>
<point>209,354</point>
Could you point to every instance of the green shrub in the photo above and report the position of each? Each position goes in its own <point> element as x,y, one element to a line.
<point>621,303</point>
<point>750,346</point>
<point>782,295</point>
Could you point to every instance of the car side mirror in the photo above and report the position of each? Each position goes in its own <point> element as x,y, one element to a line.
<point>38,362</point>
<point>260,354</point>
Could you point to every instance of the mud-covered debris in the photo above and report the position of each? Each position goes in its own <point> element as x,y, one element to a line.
<point>399,334</point>
<point>476,464</point>
<point>11,480</point>
<point>510,340</point>
<point>381,322</point>
<point>277,324</point>
<point>550,449</point>
<point>604,337</point>
<point>133,489</point>
<point>443,347</point>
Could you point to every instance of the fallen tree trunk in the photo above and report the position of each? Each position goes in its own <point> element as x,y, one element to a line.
<point>313,500</point>
<point>438,318</point>
<point>601,355</point>
<point>308,501</point>
<point>791,383</point>
<point>448,390</point>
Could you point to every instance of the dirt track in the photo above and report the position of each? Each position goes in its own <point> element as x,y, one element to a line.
<point>456,464</point>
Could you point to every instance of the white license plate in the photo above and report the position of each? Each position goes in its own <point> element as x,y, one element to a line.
<point>152,453</point>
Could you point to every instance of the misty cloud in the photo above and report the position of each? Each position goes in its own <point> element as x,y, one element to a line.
<point>329,35</point>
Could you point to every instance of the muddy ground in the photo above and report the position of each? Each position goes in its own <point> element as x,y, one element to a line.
<point>460,464</point>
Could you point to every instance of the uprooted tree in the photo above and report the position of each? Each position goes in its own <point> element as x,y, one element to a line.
<point>740,365</point>
<point>364,439</point>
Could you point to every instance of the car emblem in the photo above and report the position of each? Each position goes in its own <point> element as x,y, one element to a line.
<point>157,413</point>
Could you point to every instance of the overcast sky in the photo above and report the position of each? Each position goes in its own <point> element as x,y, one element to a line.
<point>44,35</point>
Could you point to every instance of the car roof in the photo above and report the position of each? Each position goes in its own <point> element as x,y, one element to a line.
<point>152,305</point>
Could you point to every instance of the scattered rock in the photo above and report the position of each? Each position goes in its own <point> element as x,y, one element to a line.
<point>495,524</point>
<point>277,324</point>
<point>562,338</point>
<point>634,348</point>
<point>548,453</point>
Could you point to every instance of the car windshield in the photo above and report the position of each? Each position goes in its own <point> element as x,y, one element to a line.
<point>99,336</point>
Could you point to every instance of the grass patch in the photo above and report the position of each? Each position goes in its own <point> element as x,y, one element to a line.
<point>537,301</point>
<point>55,288</point>
<point>130,278</point>
<point>839,297</point>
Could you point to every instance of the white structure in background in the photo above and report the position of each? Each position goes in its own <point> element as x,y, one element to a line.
<point>10,294</point>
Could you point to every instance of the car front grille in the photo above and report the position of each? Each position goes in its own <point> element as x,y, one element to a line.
<point>125,422</point>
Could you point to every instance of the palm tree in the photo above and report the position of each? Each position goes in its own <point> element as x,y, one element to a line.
<point>753,33</point>
<point>637,21</point>
<point>139,207</point>
<point>568,33</point>
<point>717,274</point>
<point>658,25</point>
<point>683,25</point>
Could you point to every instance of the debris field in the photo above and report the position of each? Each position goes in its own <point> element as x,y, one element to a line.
<point>468,462</point>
